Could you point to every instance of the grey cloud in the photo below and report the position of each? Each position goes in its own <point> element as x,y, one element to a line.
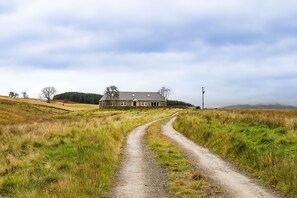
<point>241,51</point>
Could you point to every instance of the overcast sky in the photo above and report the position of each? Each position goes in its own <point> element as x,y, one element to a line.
<point>241,51</point>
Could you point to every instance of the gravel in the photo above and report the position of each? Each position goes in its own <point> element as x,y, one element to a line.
<point>139,174</point>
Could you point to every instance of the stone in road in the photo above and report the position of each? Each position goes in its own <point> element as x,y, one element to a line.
<point>139,174</point>
<point>230,180</point>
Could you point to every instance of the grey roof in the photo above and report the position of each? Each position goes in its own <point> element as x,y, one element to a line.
<point>140,96</point>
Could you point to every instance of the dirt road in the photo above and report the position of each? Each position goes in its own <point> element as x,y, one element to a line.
<point>139,174</point>
<point>224,175</point>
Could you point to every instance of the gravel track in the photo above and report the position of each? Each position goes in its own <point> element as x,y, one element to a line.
<point>220,172</point>
<point>139,174</point>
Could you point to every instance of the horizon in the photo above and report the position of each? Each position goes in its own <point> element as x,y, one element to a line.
<point>172,99</point>
<point>242,52</point>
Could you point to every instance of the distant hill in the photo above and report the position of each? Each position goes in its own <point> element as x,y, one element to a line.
<point>87,98</point>
<point>177,103</point>
<point>260,106</point>
<point>15,110</point>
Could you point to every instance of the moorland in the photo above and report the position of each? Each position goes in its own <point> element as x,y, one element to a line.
<point>62,150</point>
<point>73,150</point>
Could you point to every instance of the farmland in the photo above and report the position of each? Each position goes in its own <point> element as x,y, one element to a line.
<point>263,142</point>
<point>56,150</point>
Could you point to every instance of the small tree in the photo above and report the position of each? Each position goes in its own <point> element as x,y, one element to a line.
<point>165,92</point>
<point>48,93</point>
<point>25,95</point>
<point>111,92</point>
<point>13,94</point>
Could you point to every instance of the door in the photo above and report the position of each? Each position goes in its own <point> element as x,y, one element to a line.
<point>134,104</point>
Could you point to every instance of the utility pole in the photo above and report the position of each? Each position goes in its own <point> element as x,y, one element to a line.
<point>203,92</point>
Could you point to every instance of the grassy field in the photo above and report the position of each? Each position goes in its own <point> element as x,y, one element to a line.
<point>264,142</point>
<point>49,150</point>
<point>15,110</point>
<point>184,180</point>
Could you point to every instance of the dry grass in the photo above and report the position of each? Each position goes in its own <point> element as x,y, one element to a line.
<point>51,152</point>
<point>54,104</point>
<point>15,110</point>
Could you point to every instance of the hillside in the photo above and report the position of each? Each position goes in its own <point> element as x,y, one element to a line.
<point>86,98</point>
<point>260,106</point>
<point>13,110</point>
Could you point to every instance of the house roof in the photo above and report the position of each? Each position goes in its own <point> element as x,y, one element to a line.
<point>140,96</point>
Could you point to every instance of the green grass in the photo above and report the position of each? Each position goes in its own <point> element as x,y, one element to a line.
<point>63,154</point>
<point>261,141</point>
<point>184,180</point>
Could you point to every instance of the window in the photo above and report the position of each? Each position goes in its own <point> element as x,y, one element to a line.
<point>123,103</point>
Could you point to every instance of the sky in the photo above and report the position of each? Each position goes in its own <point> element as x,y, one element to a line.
<point>241,51</point>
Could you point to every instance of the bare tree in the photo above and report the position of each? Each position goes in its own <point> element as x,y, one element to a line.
<point>13,94</point>
<point>25,95</point>
<point>165,92</point>
<point>111,92</point>
<point>48,93</point>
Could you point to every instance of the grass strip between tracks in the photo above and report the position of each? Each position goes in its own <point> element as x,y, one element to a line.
<point>184,180</point>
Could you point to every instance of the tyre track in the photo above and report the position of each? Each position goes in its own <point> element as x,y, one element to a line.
<point>224,175</point>
<point>139,174</point>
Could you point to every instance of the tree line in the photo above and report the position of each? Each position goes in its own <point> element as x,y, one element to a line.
<point>46,92</point>
<point>87,98</point>
<point>177,103</point>
<point>16,95</point>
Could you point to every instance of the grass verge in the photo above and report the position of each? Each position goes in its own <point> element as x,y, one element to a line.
<point>184,180</point>
<point>264,142</point>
